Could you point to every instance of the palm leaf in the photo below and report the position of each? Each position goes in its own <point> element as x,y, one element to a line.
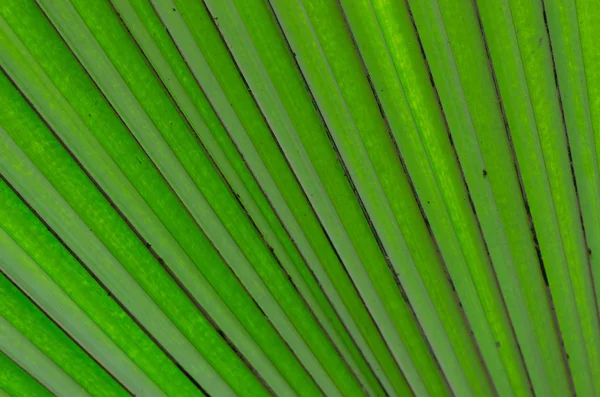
<point>299,197</point>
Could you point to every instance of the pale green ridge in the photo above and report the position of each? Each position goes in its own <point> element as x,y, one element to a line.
<point>139,170</point>
<point>15,382</point>
<point>231,83</point>
<point>530,100</point>
<point>275,112</point>
<point>214,207</point>
<point>252,197</point>
<point>346,102</point>
<point>299,197</point>
<point>51,256</point>
<point>63,219</point>
<point>563,25</point>
<point>184,102</point>
<point>26,274</point>
<point>16,347</point>
<point>421,137</point>
<point>278,130</point>
<point>460,68</point>
<point>588,17</point>
<point>143,128</point>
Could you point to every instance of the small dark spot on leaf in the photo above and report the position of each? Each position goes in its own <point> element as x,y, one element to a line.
<point>484,173</point>
<point>173,10</point>
<point>497,344</point>
<point>589,251</point>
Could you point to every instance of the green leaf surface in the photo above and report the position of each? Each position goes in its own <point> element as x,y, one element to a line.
<point>299,197</point>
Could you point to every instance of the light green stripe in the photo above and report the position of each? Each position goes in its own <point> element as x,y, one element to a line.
<point>29,277</point>
<point>291,152</point>
<point>30,358</point>
<point>517,40</point>
<point>564,28</point>
<point>15,382</point>
<point>34,238</point>
<point>253,121</point>
<point>22,174</point>
<point>588,16</point>
<point>138,212</point>
<point>306,285</point>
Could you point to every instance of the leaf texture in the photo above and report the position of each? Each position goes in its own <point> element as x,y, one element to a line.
<point>299,197</point>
